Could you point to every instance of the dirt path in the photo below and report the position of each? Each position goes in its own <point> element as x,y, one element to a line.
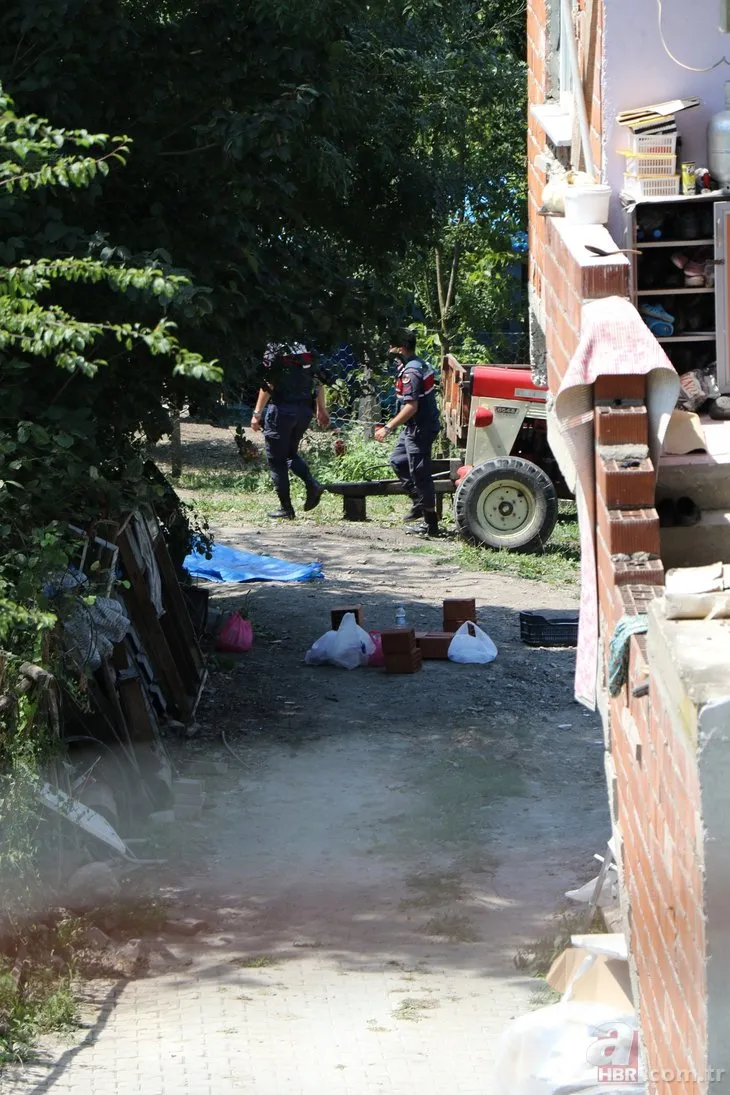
<point>374,862</point>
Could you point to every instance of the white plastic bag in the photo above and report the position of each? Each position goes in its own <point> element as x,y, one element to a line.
<point>348,647</point>
<point>577,1047</point>
<point>472,646</point>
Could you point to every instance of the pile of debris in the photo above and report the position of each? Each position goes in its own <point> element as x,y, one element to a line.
<point>128,629</point>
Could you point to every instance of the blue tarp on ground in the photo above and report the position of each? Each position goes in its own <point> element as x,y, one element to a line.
<point>229,564</point>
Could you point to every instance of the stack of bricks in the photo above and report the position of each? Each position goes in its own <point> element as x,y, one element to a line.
<point>400,651</point>
<point>458,612</point>
<point>653,777</point>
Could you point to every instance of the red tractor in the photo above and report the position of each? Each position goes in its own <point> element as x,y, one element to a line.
<point>507,483</point>
<point>506,493</point>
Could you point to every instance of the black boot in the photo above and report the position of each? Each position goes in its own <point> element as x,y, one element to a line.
<point>428,527</point>
<point>314,495</point>
<point>285,512</point>
<point>414,512</point>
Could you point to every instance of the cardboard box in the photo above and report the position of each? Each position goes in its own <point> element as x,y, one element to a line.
<point>434,644</point>
<point>337,613</point>
<point>607,981</point>
<point>403,663</point>
<point>400,641</point>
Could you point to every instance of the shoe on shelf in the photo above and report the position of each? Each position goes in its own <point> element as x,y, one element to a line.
<point>655,311</point>
<point>659,328</point>
<point>283,513</point>
<point>314,496</point>
<point>679,259</point>
<point>694,274</point>
<point>720,408</point>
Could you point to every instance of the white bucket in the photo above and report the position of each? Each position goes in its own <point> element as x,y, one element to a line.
<point>587,204</point>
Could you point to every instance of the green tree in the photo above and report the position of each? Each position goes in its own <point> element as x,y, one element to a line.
<point>275,153</point>
<point>473,142</point>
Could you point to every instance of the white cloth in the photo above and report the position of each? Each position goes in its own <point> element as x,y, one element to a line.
<point>614,340</point>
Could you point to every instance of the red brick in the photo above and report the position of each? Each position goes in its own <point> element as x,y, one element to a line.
<point>434,644</point>
<point>403,663</point>
<point>621,426</point>
<point>625,487</point>
<point>337,614</point>
<point>613,388</point>
<point>626,531</point>
<point>399,641</point>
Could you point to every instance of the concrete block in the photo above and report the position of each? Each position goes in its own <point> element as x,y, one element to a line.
<point>188,813</point>
<point>699,545</point>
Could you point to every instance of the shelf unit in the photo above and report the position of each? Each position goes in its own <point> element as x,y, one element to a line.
<point>707,216</point>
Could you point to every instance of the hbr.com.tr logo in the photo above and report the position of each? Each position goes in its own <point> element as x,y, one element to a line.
<point>616,1055</point>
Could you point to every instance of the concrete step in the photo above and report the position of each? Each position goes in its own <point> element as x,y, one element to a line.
<point>699,545</point>
<point>702,476</point>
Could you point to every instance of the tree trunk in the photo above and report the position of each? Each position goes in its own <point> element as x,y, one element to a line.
<point>176,461</point>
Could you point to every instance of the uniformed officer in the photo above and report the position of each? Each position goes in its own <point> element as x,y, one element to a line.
<point>418,414</point>
<point>288,398</point>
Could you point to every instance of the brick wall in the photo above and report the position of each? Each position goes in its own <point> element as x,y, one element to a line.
<point>651,759</point>
<point>590,39</point>
<point>654,785</point>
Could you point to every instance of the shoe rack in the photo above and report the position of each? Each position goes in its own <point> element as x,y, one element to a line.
<point>679,280</point>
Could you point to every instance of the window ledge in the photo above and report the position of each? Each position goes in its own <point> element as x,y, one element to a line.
<point>556,121</point>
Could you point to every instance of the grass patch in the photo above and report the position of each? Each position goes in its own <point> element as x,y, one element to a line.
<point>437,888</point>
<point>254,961</point>
<point>454,927</point>
<point>36,986</point>
<point>536,958</point>
<point>234,495</point>
<point>412,1010</point>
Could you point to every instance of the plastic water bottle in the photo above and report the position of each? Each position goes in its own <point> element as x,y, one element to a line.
<point>400,617</point>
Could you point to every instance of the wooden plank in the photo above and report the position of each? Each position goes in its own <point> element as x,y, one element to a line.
<point>145,619</point>
<point>179,616</point>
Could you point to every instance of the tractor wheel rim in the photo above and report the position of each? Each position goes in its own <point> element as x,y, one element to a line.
<point>506,507</point>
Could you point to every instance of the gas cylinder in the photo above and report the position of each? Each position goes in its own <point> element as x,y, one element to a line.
<point>718,143</point>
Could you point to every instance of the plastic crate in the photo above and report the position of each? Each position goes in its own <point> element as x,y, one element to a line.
<point>537,630</point>
<point>658,187</point>
<point>652,143</point>
<point>648,165</point>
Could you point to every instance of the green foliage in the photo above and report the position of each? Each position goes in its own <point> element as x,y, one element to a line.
<point>71,433</point>
<point>468,283</point>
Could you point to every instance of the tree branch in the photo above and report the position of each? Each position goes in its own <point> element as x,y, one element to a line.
<point>439,284</point>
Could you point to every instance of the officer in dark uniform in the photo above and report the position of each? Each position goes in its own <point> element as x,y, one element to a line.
<point>418,413</point>
<point>286,402</point>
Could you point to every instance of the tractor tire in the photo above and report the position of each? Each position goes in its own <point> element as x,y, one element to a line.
<point>506,503</point>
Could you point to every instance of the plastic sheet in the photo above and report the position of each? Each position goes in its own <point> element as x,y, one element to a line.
<point>230,564</point>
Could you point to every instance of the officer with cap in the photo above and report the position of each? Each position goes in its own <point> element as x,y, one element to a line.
<point>415,388</point>
<point>288,398</point>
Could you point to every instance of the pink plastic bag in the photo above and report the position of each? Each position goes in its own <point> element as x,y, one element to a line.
<point>236,635</point>
<point>377,658</point>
